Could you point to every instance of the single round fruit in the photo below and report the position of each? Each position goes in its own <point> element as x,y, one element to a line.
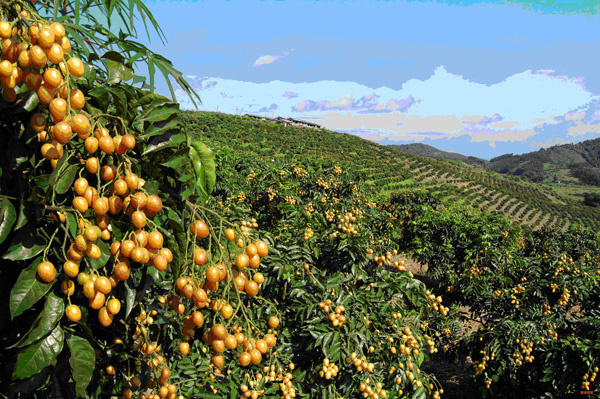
<point>153,204</point>
<point>132,181</point>
<point>261,248</point>
<point>229,234</point>
<point>198,318</point>
<point>121,271</point>
<point>251,250</point>
<point>139,200</point>
<point>255,356</point>
<point>184,348</point>
<point>115,205</point>
<point>108,172</point>
<point>200,257</point>
<point>218,361</point>
<point>262,346</point>
<point>200,229</point>
<point>73,313</point>
<point>105,317</point>
<point>200,295</point>
<point>259,278</point>
<point>70,268</point>
<point>91,164</point>
<point>245,359</point>
<point>77,99</point>
<point>106,144</point>
<point>46,37</point>
<point>120,187</point>
<point>212,274</point>
<point>128,141</point>
<point>242,261</point>
<point>49,151</point>
<point>218,345</point>
<point>91,145</point>
<point>218,331</point>
<point>59,30</point>
<point>273,322</point>
<point>160,262</point>
<point>138,218</point>
<point>155,240</point>
<point>254,261</point>
<point>227,311</point>
<point>38,57</point>
<point>46,271</point>
<point>103,285</point>
<point>251,288</point>
<point>230,342</point>
<point>91,234</point>
<point>52,78</point>
<point>114,306</point>
<point>80,204</point>
<point>62,132</point>
<point>97,301</point>
<point>56,53</point>
<point>101,206</point>
<point>80,124</point>
<point>38,122</point>
<point>76,67</point>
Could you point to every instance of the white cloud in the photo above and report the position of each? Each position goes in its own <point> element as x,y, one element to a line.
<point>442,106</point>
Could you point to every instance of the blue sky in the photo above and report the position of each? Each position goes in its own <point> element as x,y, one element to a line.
<point>480,78</point>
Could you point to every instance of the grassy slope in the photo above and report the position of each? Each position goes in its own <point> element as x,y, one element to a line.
<point>387,170</point>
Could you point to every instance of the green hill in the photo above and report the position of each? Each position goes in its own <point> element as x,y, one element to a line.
<point>430,151</point>
<point>568,163</point>
<point>570,166</point>
<point>385,170</point>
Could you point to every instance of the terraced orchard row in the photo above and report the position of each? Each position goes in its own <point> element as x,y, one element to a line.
<point>386,170</point>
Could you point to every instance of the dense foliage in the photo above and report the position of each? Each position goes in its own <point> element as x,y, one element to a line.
<point>139,262</point>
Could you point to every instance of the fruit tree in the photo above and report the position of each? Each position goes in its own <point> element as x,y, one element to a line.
<point>124,274</point>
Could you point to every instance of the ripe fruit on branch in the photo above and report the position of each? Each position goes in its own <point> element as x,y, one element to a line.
<point>46,272</point>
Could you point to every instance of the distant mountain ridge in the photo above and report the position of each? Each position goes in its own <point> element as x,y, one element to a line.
<point>430,151</point>
<point>567,163</point>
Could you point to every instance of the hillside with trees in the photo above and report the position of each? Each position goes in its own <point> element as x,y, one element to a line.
<point>575,164</point>
<point>386,170</point>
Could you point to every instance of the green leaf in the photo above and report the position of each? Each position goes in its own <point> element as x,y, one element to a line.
<point>25,211</point>
<point>149,98</point>
<point>39,355</point>
<point>208,176</point>
<point>117,72</point>
<point>178,160</point>
<point>72,224</point>
<point>46,321</point>
<point>167,140</point>
<point>27,244</point>
<point>27,290</point>
<point>119,100</point>
<point>64,180</point>
<point>161,127</point>
<point>160,109</point>
<point>101,96</point>
<point>8,216</point>
<point>82,362</point>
